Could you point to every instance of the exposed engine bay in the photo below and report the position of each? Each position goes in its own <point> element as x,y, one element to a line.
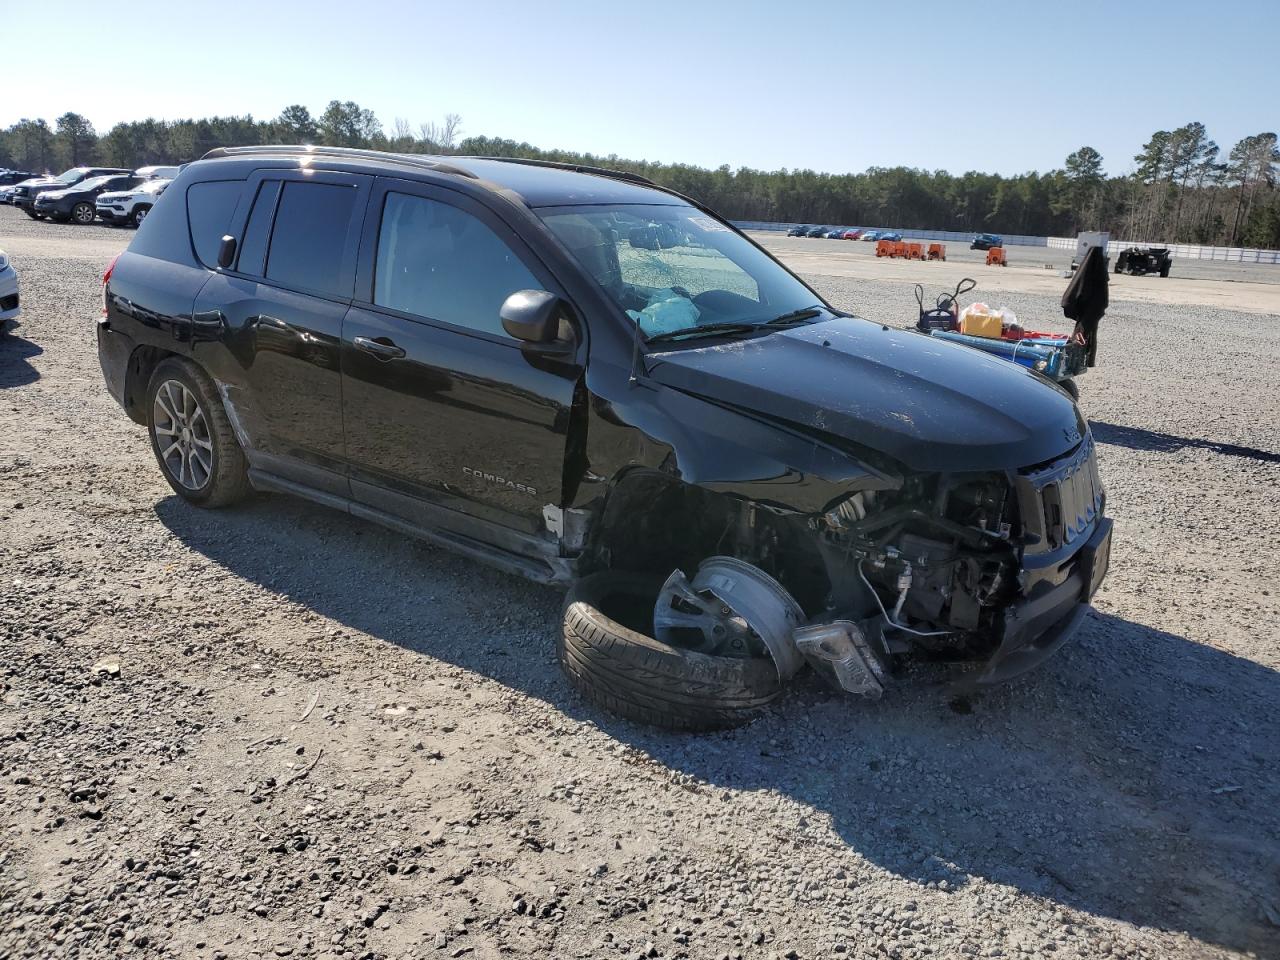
<point>933,569</point>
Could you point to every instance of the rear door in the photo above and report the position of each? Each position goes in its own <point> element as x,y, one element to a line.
<point>441,406</point>
<point>280,308</point>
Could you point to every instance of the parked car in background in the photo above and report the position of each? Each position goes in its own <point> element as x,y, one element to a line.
<point>835,234</point>
<point>870,235</point>
<point>890,235</point>
<point>8,290</point>
<point>79,203</point>
<point>851,235</point>
<point>10,177</point>
<point>985,241</point>
<point>25,193</point>
<point>818,232</point>
<point>799,231</point>
<point>130,206</point>
<point>159,172</point>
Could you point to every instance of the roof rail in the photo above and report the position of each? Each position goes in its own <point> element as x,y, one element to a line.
<point>416,160</point>
<point>575,167</point>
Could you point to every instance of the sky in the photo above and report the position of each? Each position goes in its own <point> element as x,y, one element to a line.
<point>834,86</point>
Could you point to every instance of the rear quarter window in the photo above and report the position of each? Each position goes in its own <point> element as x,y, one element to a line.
<point>210,205</point>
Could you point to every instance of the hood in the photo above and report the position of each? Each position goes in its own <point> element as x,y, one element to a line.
<point>52,194</point>
<point>40,182</point>
<point>117,195</point>
<point>931,405</point>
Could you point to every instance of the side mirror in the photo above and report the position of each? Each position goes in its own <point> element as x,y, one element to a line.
<point>226,252</point>
<point>531,315</point>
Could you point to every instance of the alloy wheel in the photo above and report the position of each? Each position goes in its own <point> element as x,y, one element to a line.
<point>182,435</point>
<point>83,213</point>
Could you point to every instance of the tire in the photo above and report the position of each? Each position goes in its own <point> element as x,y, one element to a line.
<point>1070,386</point>
<point>139,214</point>
<point>1164,268</point>
<point>83,213</point>
<point>635,676</point>
<point>33,215</point>
<point>211,470</point>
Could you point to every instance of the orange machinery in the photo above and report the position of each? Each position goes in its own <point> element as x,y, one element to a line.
<point>937,251</point>
<point>995,257</point>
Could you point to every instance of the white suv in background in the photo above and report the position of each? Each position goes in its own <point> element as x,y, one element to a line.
<point>130,206</point>
<point>8,290</point>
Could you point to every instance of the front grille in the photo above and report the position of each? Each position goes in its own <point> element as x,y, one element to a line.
<point>1066,494</point>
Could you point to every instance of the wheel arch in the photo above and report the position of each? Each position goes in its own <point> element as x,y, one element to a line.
<point>142,363</point>
<point>653,522</point>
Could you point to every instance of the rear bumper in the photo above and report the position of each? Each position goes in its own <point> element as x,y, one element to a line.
<point>114,351</point>
<point>1039,625</point>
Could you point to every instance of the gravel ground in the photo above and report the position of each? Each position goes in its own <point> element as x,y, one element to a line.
<point>276,731</point>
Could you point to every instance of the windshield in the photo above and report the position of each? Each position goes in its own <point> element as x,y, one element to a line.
<point>673,268</point>
<point>71,176</point>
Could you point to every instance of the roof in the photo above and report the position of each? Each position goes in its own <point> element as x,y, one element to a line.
<point>540,183</point>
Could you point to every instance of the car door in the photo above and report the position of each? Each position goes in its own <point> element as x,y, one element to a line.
<point>442,408</point>
<point>279,310</point>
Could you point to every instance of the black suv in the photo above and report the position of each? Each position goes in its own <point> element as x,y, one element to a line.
<point>79,203</point>
<point>590,380</point>
<point>25,193</point>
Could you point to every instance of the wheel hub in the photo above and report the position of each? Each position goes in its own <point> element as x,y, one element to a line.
<point>729,609</point>
<point>182,435</point>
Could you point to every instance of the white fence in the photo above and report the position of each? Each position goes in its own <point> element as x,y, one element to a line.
<point>1186,251</point>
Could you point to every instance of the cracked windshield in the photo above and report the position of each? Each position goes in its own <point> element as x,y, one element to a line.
<point>675,269</point>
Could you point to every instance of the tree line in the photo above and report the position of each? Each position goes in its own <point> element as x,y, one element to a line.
<point>1181,187</point>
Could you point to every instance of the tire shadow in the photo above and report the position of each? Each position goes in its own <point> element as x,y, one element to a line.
<point>16,369</point>
<point>1132,777</point>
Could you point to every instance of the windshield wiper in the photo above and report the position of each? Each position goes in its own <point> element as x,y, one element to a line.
<point>705,330</point>
<point>795,316</point>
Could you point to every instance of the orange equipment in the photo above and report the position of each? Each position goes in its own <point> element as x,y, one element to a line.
<point>937,251</point>
<point>884,248</point>
<point>899,248</point>
<point>995,256</point>
<point>915,251</point>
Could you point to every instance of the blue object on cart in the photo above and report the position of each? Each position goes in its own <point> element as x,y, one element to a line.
<point>1055,357</point>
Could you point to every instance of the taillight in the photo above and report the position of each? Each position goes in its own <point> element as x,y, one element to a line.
<point>106,277</point>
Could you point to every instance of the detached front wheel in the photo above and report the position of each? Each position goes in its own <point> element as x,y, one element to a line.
<point>192,437</point>
<point>611,660</point>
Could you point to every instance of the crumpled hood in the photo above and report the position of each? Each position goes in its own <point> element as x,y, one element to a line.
<point>931,405</point>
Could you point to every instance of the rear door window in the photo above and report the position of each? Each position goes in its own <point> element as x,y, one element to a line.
<point>309,238</point>
<point>253,252</point>
<point>209,208</point>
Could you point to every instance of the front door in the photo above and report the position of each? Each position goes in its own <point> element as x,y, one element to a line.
<point>440,405</point>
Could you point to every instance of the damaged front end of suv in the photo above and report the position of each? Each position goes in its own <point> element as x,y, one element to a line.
<point>824,526</point>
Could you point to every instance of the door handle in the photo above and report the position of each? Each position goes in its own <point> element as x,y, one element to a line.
<point>267,321</point>
<point>382,348</point>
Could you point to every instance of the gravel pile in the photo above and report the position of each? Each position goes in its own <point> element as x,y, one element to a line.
<point>278,732</point>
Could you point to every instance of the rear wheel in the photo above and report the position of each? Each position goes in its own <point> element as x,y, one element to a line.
<point>192,437</point>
